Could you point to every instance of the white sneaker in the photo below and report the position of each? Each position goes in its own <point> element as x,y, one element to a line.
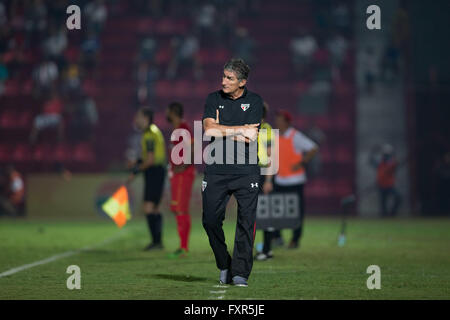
<point>263,256</point>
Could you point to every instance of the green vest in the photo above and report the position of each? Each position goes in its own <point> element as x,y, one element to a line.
<point>153,141</point>
<point>265,139</point>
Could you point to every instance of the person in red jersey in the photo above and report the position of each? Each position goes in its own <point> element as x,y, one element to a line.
<point>182,175</point>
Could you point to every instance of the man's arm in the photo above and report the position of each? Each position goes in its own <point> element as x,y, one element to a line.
<point>181,167</point>
<point>306,158</point>
<point>303,143</point>
<point>214,129</point>
<point>148,162</point>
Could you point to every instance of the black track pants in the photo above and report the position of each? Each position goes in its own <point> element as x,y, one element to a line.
<point>216,191</point>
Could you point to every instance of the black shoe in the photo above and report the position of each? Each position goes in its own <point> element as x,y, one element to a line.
<point>153,246</point>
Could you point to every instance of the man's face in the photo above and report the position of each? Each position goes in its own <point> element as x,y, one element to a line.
<point>141,121</point>
<point>169,116</point>
<point>281,123</point>
<point>230,82</point>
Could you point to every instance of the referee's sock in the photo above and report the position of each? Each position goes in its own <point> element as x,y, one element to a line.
<point>154,223</point>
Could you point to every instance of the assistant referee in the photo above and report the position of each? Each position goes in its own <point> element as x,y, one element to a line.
<point>232,116</point>
<point>152,164</point>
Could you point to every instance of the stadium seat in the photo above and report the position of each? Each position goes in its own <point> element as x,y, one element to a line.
<point>12,87</point>
<point>326,155</point>
<point>8,119</point>
<point>61,153</point>
<point>342,188</point>
<point>163,55</point>
<point>164,88</point>
<point>323,122</point>
<point>145,25</point>
<point>24,119</point>
<point>90,87</point>
<point>72,53</point>
<point>343,154</point>
<point>181,89</point>
<point>83,153</point>
<point>21,153</point>
<point>318,188</point>
<point>41,153</point>
<point>5,154</point>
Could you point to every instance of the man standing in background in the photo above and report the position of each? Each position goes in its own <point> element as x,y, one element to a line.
<point>181,179</point>
<point>296,151</point>
<point>265,141</point>
<point>153,164</point>
<point>386,168</point>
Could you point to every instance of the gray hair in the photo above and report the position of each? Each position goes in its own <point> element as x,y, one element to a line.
<point>239,67</point>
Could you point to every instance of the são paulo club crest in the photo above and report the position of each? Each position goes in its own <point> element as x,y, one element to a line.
<point>244,107</point>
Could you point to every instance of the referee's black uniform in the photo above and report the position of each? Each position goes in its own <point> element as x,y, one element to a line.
<point>232,176</point>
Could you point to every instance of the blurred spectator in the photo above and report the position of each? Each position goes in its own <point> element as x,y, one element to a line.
<point>3,16</point>
<point>12,193</point>
<point>89,51</point>
<point>370,66</point>
<point>390,63</point>
<point>243,45</point>
<point>13,49</point>
<point>318,136</point>
<point>57,11</point>
<point>16,15</point>
<point>3,76</point>
<point>303,48</point>
<point>4,40</point>
<point>35,20</point>
<point>95,13</point>
<point>386,166</point>
<point>226,21</point>
<point>50,117</point>
<point>71,79</point>
<point>249,7</point>
<point>205,22</point>
<point>147,77</point>
<point>44,76</point>
<point>340,14</point>
<point>55,44</point>
<point>184,53</point>
<point>147,49</point>
<point>401,29</point>
<point>337,46</point>
<point>84,118</point>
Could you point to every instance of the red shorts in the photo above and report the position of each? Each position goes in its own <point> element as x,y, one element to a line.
<point>181,189</point>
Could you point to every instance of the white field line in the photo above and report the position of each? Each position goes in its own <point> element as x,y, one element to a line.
<point>59,256</point>
<point>220,293</point>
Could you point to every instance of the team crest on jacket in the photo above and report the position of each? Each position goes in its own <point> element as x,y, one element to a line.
<point>204,183</point>
<point>245,106</point>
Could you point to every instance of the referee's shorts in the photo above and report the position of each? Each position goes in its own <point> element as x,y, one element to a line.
<point>154,178</point>
<point>216,191</point>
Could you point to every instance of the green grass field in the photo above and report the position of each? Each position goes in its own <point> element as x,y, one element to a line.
<point>413,256</point>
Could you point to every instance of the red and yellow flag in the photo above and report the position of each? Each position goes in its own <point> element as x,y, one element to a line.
<point>117,207</point>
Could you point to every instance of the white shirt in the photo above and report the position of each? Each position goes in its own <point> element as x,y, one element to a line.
<point>301,144</point>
